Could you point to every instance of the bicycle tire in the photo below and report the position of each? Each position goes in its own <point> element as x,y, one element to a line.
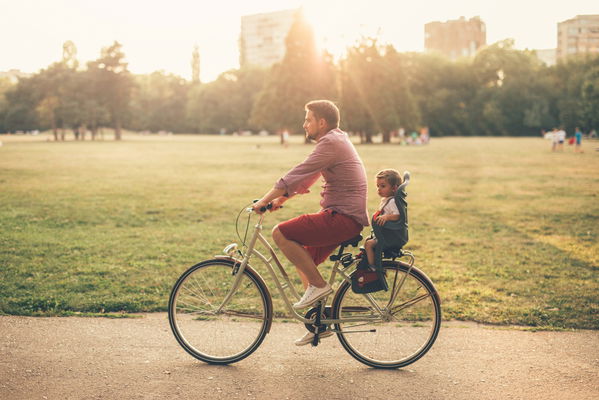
<point>405,331</point>
<point>230,335</point>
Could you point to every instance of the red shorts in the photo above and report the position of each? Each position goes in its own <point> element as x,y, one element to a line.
<point>320,233</point>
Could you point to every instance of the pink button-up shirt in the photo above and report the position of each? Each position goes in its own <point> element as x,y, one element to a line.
<point>337,161</point>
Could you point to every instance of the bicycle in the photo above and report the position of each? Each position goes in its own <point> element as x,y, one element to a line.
<point>220,310</point>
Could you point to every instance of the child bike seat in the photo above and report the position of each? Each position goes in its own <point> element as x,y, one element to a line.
<point>393,235</point>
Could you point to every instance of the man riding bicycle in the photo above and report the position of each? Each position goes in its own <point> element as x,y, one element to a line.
<point>309,239</point>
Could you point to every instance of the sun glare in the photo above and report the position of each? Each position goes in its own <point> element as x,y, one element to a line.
<point>339,25</point>
<point>329,28</point>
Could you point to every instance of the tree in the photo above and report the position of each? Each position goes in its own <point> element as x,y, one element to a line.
<point>113,84</point>
<point>69,55</point>
<point>158,102</point>
<point>195,65</point>
<point>304,74</point>
<point>376,96</point>
<point>574,83</point>
<point>5,86</point>
<point>511,97</point>
<point>22,100</point>
<point>590,97</point>
<point>227,102</point>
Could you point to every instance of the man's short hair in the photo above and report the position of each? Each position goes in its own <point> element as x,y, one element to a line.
<point>325,109</point>
<point>391,176</point>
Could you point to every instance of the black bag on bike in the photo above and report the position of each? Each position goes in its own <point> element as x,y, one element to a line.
<point>368,280</point>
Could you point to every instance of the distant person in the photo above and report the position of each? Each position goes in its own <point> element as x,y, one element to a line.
<point>308,240</point>
<point>387,182</point>
<point>561,138</point>
<point>578,138</point>
<point>285,138</point>
<point>424,135</point>
<point>554,139</point>
<point>402,136</point>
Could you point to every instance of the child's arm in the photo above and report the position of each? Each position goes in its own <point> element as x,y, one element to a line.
<point>381,219</point>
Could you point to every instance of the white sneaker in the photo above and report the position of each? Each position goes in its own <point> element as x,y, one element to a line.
<point>312,295</point>
<point>309,336</point>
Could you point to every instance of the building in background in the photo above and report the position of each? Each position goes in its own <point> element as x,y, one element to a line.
<point>455,38</point>
<point>577,36</point>
<point>547,56</point>
<point>13,75</point>
<point>262,39</point>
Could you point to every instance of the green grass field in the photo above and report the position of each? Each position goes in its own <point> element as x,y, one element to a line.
<point>506,229</point>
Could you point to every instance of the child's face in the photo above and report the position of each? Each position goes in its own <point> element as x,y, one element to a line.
<point>384,189</point>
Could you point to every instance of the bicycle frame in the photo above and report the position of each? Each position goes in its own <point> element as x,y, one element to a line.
<point>342,271</point>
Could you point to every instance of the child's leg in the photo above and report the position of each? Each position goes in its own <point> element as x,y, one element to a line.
<point>369,246</point>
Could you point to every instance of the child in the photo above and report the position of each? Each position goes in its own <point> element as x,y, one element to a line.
<point>387,182</point>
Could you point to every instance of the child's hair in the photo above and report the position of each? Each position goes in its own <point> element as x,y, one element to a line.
<point>391,176</point>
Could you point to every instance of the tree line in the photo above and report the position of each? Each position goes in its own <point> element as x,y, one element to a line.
<point>501,91</point>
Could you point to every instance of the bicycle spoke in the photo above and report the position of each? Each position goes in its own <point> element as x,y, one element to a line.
<point>199,298</point>
<point>409,303</point>
<point>244,315</point>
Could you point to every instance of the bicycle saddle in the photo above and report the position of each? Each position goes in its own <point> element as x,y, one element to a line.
<point>355,241</point>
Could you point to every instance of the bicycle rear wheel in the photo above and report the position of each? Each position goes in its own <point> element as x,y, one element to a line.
<point>401,332</point>
<point>228,335</point>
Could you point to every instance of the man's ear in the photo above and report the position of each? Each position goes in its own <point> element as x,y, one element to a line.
<point>323,124</point>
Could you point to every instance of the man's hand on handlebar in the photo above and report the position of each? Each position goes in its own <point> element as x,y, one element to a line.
<point>262,205</point>
<point>278,203</point>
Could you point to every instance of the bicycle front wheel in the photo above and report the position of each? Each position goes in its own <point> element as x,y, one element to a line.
<point>383,332</point>
<point>208,330</point>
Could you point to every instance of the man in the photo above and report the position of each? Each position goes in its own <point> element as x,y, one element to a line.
<point>309,239</point>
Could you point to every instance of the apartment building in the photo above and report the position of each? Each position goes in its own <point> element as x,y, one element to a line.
<point>262,39</point>
<point>455,38</point>
<point>578,35</point>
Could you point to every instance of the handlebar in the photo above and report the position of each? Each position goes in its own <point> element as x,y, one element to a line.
<point>262,209</point>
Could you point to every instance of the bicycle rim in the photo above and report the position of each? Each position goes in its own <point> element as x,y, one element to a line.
<point>219,337</point>
<point>399,335</point>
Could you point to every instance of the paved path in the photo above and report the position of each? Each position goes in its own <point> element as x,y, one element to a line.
<point>100,358</point>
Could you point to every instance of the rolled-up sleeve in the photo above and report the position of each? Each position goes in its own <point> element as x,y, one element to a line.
<point>299,179</point>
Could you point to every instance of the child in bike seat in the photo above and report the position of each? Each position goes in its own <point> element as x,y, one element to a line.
<point>387,183</point>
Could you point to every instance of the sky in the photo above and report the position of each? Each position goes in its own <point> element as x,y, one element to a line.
<point>160,34</point>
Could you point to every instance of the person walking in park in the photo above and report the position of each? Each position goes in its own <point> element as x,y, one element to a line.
<point>561,138</point>
<point>307,240</point>
<point>578,138</point>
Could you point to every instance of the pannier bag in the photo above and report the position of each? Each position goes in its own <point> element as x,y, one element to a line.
<point>367,280</point>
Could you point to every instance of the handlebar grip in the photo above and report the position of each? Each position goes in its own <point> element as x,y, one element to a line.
<point>268,207</point>
<point>263,209</point>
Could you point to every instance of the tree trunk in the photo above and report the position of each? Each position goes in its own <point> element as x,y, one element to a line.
<point>55,131</point>
<point>117,130</point>
<point>365,137</point>
<point>386,137</point>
